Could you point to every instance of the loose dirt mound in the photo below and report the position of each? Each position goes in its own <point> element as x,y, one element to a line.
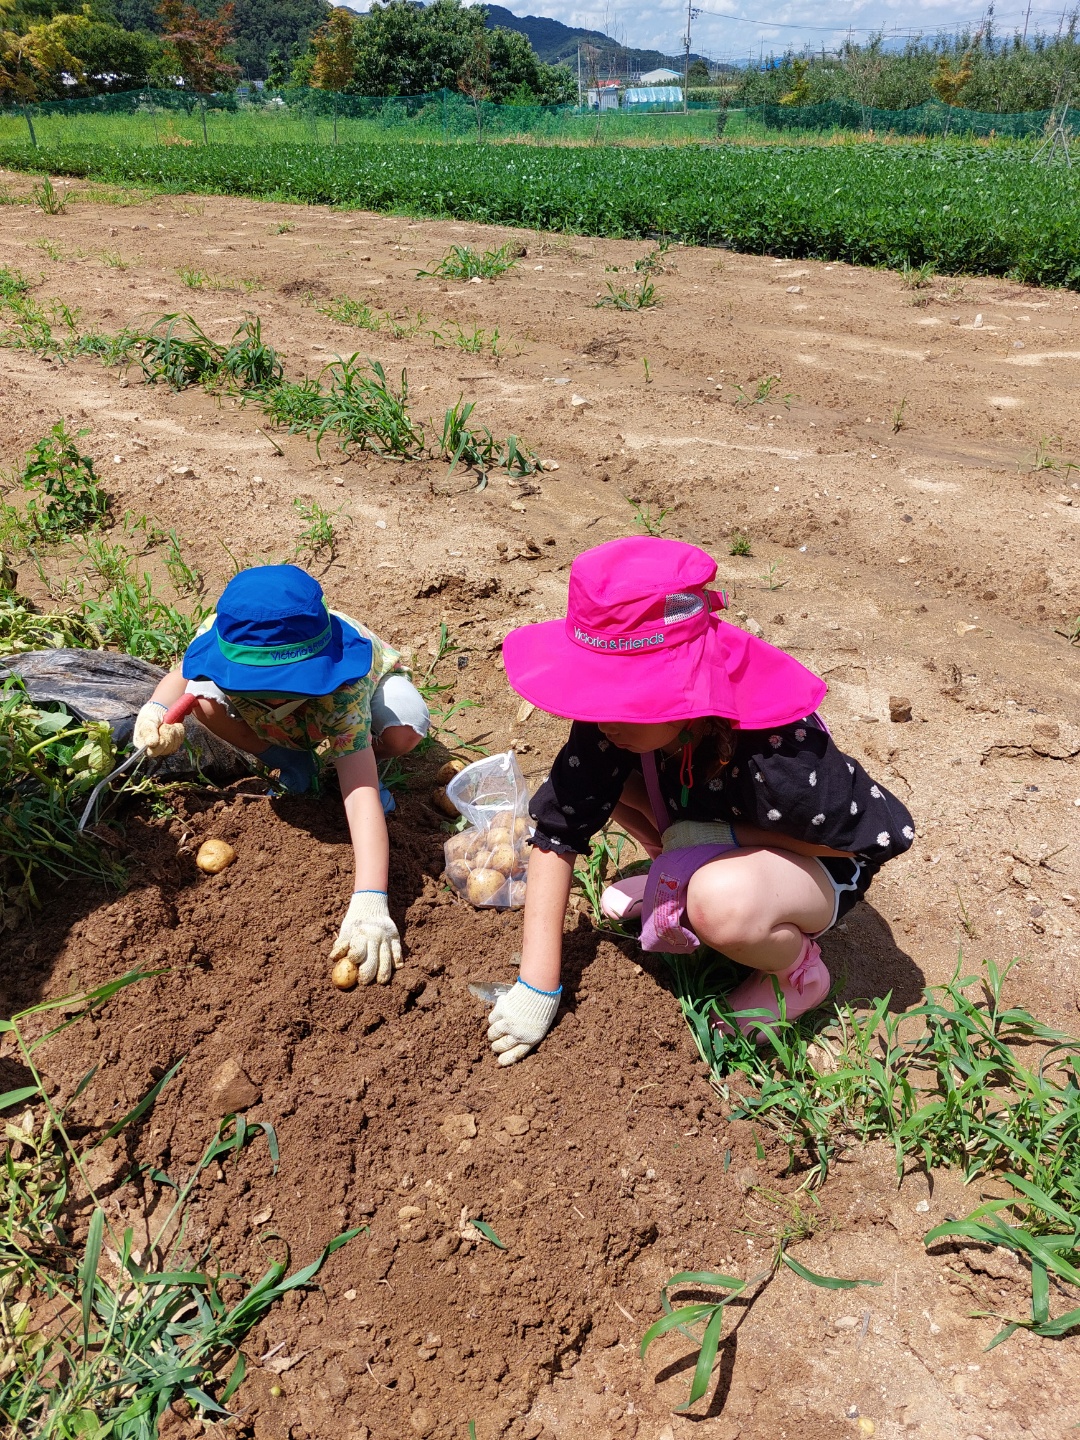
<point>919,563</point>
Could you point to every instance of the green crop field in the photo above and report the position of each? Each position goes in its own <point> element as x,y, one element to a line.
<point>965,208</point>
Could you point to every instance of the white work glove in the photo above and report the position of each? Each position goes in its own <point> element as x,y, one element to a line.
<point>685,833</point>
<point>521,1018</point>
<point>368,938</point>
<point>159,739</point>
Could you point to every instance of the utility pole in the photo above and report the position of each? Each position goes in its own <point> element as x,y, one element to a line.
<point>579,77</point>
<point>1027,17</point>
<point>690,14</point>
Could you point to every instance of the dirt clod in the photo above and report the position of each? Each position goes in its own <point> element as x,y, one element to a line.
<point>899,709</point>
<point>231,1090</point>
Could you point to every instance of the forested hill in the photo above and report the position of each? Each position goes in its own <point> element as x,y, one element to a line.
<point>556,43</point>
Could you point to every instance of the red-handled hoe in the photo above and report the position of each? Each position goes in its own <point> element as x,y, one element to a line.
<point>175,715</point>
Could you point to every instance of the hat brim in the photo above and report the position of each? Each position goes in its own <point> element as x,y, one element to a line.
<point>723,672</point>
<point>347,658</point>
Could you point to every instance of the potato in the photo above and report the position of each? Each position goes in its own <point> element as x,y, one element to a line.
<point>458,846</point>
<point>446,773</point>
<point>522,827</point>
<point>344,974</point>
<point>497,836</point>
<point>480,857</point>
<point>215,856</point>
<point>517,893</point>
<point>484,885</point>
<point>443,801</point>
<point>503,859</point>
<point>458,872</point>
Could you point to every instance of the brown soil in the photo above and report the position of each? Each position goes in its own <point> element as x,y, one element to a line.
<point>932,562</point>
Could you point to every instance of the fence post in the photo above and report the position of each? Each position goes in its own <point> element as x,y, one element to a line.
<point>30,125</point>
<point>444,114</point>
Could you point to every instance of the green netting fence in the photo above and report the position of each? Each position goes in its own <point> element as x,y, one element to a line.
<point>930,118</point>
<point>297,116</point>
<point>178,116</point>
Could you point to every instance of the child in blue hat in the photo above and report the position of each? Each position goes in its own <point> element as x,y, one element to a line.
<point>282,676</point>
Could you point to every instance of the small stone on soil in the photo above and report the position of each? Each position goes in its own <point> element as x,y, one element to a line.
<point>230,1089</point>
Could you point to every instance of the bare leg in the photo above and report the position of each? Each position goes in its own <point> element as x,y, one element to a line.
<point>395,740</point>
<point>634,814</point>
<point>757,905</point>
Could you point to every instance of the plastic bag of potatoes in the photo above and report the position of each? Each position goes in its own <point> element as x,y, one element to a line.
<point>486,863</point>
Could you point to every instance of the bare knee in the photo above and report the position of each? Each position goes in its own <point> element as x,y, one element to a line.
<point>720,909</point>
<point>397,740</point>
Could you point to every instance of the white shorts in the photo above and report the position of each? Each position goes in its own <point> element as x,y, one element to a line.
<point>396,702</point>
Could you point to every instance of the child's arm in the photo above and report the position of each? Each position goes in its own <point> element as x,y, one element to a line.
<point>523,1016</point>
<point>368,937</point>
<point>166,740</point>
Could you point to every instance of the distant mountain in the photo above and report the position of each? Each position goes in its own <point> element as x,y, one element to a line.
<point>557,43</point>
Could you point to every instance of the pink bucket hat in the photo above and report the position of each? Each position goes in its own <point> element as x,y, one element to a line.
<point>642,643</point>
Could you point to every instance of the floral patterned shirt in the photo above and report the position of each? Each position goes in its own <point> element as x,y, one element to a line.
<point>335,724</point>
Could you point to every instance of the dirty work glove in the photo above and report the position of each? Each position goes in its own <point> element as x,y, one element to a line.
<point>159,739</point>
<point>297,768</point>
<point>685,833</point>
<point>369,938</point>
<point>521,1018</point>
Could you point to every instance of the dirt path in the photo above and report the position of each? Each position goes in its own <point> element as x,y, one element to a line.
<point>932,562</point>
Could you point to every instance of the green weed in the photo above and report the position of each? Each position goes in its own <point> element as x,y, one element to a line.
<point>917,277</point>
<point>650,524</point>
<point>186,577</point>
<point>764,389</point>
<point>364,411</point>
<point>711,1314</point>
<point>317,538</point>
<point>478,448</point>
<point>89,1355</point>
<point>942,1083</point>
<point>73,499</point>
<point>13,285</point>
<point>284,227</point>
<point>436,695</point>
<point>132,616</point>
<point>643,296</point>
<point>772,579</point>
<point>48,198</point>
<point>50,248</point>
<point>48,762</point>
<point>598,869</point>
<point>347,311</point>
<point>299,407</point>
<point>462,262</point>
<point>192,278</point>
<point>114,260</point>
<point>474,342</point>
<point>248,362</point>
<point>178,351</point>
<point>898,421</point>
<point>740,543</point>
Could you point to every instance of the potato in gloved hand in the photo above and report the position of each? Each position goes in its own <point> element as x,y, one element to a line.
<point>160,740</point>
<point>369,939</point>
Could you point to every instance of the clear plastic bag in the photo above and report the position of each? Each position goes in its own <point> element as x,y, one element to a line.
<point>486,862</point>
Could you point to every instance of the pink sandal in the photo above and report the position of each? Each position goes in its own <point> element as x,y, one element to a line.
<point>622,899</point>
<point>803,986</point>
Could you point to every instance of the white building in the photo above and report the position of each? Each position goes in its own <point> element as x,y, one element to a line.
<point>658,77</point>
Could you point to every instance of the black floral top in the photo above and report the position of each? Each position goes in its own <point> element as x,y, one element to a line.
<point>793,780</point>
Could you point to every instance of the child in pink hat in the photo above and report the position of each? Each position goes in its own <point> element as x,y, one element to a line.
<point>703,743</point>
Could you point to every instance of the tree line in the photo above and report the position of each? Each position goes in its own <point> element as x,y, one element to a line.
<point>60,49</point>
<point>976,70</point>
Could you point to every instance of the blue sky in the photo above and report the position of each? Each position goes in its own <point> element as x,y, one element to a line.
<point>735,31</point>
<point>662,23</point>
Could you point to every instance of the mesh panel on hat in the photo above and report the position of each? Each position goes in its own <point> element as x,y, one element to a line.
<point>682,606</point>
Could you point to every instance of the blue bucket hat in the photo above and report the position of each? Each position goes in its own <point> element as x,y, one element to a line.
<point>273,632</point>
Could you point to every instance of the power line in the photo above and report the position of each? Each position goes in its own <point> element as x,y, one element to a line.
<point>833,29</point>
